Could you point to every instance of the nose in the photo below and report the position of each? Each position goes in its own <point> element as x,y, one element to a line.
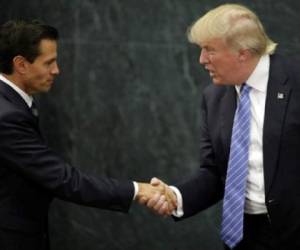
<point>203,59</point>
<point>55,69</point>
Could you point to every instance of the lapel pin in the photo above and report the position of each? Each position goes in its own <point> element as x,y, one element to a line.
<point>280,95</point>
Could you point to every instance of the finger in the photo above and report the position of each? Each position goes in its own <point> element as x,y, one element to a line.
<point>172,202</point>
<point>161,186</point>
<point>153,201</point>
<point>143,200</point>
<point>164,209</point>
<point>160,203</point>
<point>155,181</point>
<point>171,208</point>
<point>171,197</point>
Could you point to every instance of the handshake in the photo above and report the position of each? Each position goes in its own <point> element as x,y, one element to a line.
<point>157,196</point>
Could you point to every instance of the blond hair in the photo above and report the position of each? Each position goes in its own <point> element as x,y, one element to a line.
<point>237,25</point>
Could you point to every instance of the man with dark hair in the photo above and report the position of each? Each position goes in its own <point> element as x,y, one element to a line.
<point>23,38</point>
<point>31,174</point>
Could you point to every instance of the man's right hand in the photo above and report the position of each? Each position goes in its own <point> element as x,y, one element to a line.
<point>157,196</point>
<point>164,204</point>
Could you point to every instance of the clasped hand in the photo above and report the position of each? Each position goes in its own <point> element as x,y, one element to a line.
<point>157,196</point>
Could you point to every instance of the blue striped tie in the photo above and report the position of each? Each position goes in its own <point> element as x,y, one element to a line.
<point>234,197</point>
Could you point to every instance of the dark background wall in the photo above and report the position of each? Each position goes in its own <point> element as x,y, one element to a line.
<point>126,105</point>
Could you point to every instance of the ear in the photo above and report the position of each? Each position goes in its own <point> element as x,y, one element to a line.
<point>244,55</point>
<point>20,64</point>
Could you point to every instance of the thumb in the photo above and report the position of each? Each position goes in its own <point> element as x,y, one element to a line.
<point>155,181</point>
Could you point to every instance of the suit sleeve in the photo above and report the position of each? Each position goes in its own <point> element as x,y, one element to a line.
<point>23,151</point>
<point>204,188</point>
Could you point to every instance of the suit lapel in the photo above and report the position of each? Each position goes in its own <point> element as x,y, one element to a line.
<point>278,93</point>
<point>228,107</point>
<point>11,95</point>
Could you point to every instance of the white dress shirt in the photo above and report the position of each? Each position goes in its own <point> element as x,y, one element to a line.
<point>255,189</point>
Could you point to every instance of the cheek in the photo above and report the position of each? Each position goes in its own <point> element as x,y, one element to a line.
<point>41,74</point>
<point>226,66</point>
<point>219,65</point>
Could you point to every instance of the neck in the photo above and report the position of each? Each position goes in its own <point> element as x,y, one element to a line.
<point>249,66</point>
<point>15,80</point>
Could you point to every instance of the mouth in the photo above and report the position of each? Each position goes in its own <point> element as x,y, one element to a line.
<point>214,76</point>
<point>211,74</point>
<point>210,71</point>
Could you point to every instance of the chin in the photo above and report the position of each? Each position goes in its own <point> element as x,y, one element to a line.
<point>45,90</point>
<point>217,81</point>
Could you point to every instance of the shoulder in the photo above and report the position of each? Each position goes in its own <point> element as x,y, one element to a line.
<point>287,63</point>
<point>9,111</point>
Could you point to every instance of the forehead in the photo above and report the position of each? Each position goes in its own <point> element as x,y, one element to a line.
<point>47,50</point>
<point>216,43</point>
<point>47,46</point>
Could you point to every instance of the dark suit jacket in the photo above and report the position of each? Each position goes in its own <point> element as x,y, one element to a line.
<point>281,150</point>
<point>31,174</point>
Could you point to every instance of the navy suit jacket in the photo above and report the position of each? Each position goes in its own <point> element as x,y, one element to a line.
<point>281,150</point>
<point>31,175</point>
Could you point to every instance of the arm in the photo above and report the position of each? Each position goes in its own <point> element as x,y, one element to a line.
<point>24,153</point>
<point>205,187</point>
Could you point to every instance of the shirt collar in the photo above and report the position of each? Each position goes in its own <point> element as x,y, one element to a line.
<point>27,98</point>
<point>258,80</point>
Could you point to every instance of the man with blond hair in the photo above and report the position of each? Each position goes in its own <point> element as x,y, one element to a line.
<point>250,135</point>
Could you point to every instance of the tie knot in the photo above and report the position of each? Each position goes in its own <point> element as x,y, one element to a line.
<point>245,89</point>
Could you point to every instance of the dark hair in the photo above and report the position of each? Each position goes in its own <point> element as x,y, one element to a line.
<point>19,37</point>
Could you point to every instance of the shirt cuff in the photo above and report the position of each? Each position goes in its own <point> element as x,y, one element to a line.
<point>179,211</point>
<point>136,190</point>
